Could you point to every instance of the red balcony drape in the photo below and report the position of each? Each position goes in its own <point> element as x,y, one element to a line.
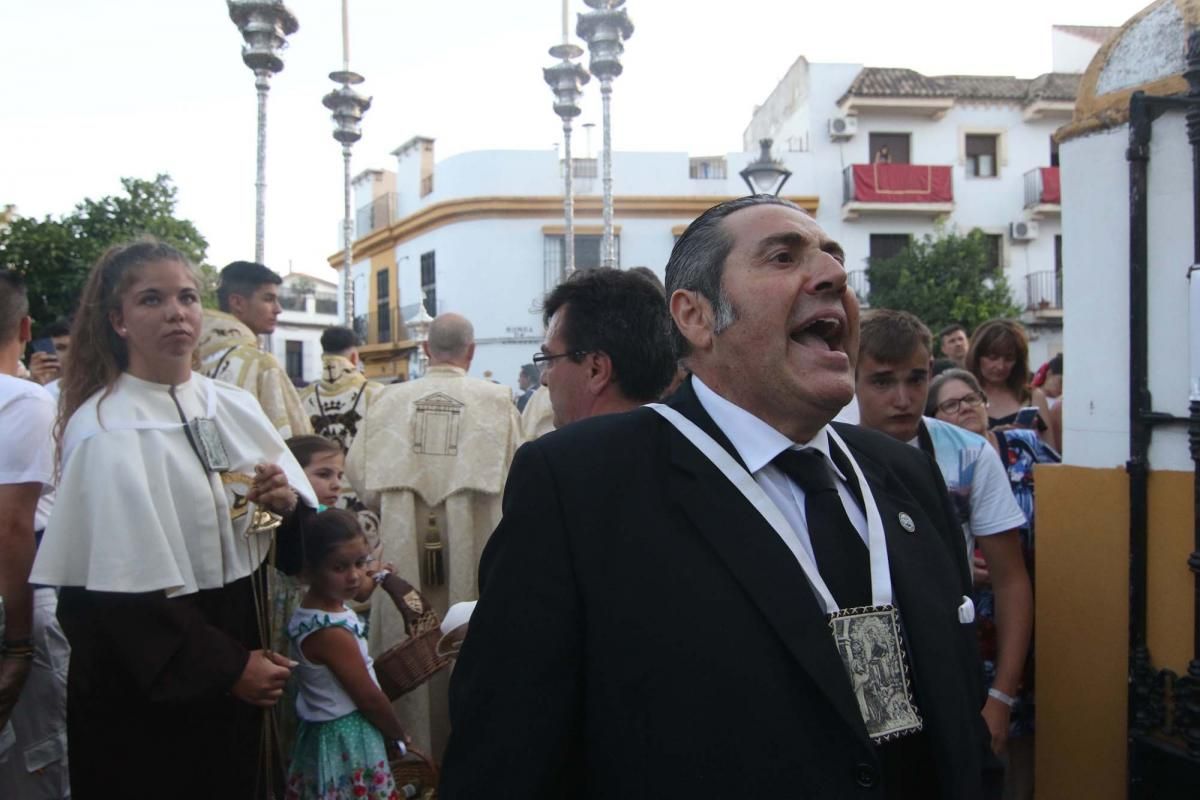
<point>902,183</point>
<point>1051,187</point>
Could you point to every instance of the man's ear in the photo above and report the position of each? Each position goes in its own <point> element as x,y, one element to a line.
<point>693,316</point>
<point>353,357</point>
<point>25,331</point>
<point>600,371</point>
<point>470,354</point>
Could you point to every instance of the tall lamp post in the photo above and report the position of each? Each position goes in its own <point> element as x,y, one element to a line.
<point>566,79</point>
<point>765,175</point>
<point>348,107</point>
<point>605,29</point>
<point>265,26</point>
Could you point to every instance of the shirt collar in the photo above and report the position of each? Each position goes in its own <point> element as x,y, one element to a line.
<point>757,442</point>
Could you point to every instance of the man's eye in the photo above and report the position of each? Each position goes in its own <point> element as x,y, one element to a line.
<point>782,257</point>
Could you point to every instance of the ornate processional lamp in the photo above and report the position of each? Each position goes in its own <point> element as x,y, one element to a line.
<point>265,26</point>
<point>348,107</point>
<point>566,79</point>
<point>766,175</point>
<point>605,29</point>
<point>418,330</point>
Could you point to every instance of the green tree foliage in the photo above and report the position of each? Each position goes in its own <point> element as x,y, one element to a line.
<point>943,278</point>
<point>54,255</point>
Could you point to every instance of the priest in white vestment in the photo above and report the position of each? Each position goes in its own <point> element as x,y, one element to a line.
<point>432,456</point>
<point>228,349</point>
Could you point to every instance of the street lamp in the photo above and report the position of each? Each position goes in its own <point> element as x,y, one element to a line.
<point>348,107</point>
<point>766,175</point>
<point>265,26</point>
<point>418,331</point>
<point>566,80</point>
<point>605,29</point>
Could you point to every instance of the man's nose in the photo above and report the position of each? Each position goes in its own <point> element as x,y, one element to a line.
<point>828,275</point>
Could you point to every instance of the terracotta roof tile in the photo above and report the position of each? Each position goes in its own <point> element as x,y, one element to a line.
<point>893,82</point>
<point>1095,33</point>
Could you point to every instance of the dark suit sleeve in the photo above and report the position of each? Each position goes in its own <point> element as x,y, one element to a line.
<point>515,695</point>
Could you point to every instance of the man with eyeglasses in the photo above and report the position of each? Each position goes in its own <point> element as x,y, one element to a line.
<point>705,598</point>
<point>606,348</point>
<point>431,457</point>
<point>892,385</point>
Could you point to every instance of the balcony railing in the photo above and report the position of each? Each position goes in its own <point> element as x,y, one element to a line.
<point>860,283</point>
<point>1042,187</point>
<point>326,304</point>
<point>1043,291</point>
<point>390,327</point>
<point>379,213</point>
<point>292,301</point>
<point>580,167</point>
<point>900,184</point>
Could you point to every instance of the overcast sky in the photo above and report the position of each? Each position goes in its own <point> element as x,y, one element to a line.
<point>96,90</point>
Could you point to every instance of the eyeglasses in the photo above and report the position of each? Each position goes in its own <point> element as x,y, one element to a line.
<point>954,405</point>
<point>540,360</point>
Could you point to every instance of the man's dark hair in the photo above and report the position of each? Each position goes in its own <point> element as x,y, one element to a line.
<point>14,303</point>
<point>949,329</point>
<point>623,315</point>
<point>337,339</point>
<point>699,256</point>
<point>531,373</point>
<point>1055,365</point>
<point>243,278</point>
<point>890,336</point>
<point>60,327</point>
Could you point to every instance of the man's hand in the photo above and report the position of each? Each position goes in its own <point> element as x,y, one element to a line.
<point>996,715</point>
<point>13,672</point>
<point>44,367</point>
<point>271,490</point>
<point>262,681</point>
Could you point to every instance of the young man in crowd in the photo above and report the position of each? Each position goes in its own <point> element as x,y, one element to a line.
<point>892,384</point>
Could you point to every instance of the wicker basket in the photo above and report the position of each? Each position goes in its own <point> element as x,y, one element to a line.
<point>406,666</point>
<point>418,771</point>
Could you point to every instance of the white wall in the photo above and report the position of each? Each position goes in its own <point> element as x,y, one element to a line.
<point>1096,285</point>
<point>1070,52</point>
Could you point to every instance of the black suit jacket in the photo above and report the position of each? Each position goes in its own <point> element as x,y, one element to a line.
<point>643,633</point>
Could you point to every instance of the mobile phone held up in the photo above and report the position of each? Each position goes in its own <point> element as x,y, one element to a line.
<point>44,345</point>
<point>1026,417</point>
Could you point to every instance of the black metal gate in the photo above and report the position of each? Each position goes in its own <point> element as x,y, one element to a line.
<point>1164,708</point>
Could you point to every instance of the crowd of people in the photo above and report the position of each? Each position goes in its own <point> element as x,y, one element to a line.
<point>682,575</point>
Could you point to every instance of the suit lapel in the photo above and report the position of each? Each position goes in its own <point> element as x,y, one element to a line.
<point>758,560</point>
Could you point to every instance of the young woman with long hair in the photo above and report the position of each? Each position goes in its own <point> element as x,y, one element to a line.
<point>999,360</point>
<point>159,543</point>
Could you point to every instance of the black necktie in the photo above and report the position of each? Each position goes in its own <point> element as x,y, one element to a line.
<point>842,558</point>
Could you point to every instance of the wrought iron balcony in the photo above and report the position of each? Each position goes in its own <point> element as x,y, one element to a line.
<point>1043,292</point>
<point>580,168</point>
<point>860,282</point>
<point>926,189</point>
<point>1043,191</point>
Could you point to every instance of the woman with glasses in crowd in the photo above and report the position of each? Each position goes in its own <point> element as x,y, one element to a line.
<point>159,541</point>
<point>955,396</point>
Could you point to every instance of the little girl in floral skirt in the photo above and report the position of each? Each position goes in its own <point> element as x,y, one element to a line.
<point>344,716</point>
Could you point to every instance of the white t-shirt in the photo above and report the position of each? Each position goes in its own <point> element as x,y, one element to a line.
<point>27,439</point>
<point>977,481</point>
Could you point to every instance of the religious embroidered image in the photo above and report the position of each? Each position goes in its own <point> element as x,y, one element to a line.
<point>868,640</point>
<point>437,425</point>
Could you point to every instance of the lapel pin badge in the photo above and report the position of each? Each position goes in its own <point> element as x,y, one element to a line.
<point>907,523</point>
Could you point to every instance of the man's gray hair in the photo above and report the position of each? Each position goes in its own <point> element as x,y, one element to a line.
<point>449,336</point>
<point>698,257</point>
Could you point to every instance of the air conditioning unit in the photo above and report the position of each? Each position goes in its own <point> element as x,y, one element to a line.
<point>842,127</point>
<point>1023,231</point>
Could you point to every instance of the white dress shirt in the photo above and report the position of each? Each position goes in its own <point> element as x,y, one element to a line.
<point>757,444</point>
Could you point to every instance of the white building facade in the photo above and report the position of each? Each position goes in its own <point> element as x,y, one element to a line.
<point>480,233</point>
<point>310,305</point>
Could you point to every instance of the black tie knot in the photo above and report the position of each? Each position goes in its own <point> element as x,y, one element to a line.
<point>808,468</point>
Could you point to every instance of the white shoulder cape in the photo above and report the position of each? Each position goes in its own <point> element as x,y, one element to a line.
<point>137,512</point>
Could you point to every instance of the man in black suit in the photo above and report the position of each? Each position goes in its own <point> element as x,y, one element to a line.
<point>643,632</point>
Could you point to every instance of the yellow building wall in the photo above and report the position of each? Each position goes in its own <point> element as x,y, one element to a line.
<point>1082,618</point>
